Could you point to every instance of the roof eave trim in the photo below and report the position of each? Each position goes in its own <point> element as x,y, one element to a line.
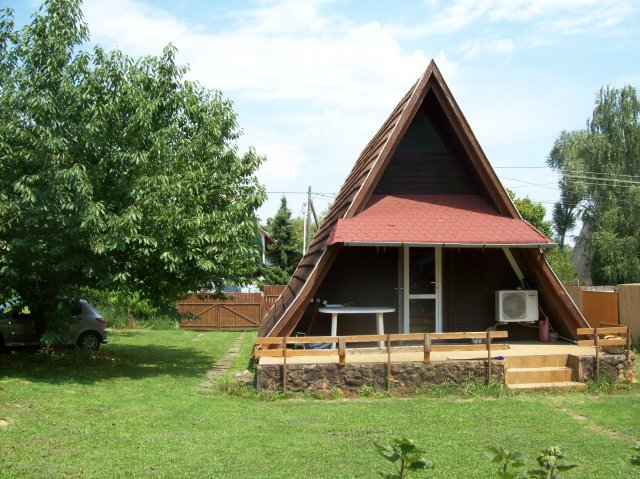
<point>453,245</point>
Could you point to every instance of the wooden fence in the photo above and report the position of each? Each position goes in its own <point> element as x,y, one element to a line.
<point>424,339</point>
<point>238,311</point>
<point>609,304</point>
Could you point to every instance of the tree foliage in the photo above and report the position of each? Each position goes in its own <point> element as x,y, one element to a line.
<point>600,180</point>
<point>533,212</point>
<point>115,173</point>
<point>284,255</point>
<point>559,258</point>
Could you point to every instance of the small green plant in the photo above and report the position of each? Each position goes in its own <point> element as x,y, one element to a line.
<point>231,386</point>
<point>405,455</point>
<point>508,462</point>
<point>366,391</point>
<point>550,466</point>
<point>635,459</point>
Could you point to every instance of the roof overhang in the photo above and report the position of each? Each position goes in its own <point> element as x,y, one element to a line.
<point>451,221</point>
<point>455,245</point>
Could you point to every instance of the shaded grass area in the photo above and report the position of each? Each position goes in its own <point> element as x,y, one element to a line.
<point>133,409</point>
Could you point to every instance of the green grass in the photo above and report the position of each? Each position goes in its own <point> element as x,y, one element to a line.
<point>134,409</point>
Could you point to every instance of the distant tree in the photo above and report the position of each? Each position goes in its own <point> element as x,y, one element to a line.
<point>115,173</point>
<point>534,213</point>
<point>284,255</point>
<point>567,156</point>
<point>559,258</point>
<point>600,172</point>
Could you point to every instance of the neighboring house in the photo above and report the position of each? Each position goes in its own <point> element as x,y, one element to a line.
<point>266,238</point>
<point>423,225</point>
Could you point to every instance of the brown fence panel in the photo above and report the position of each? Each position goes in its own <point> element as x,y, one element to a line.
<point>629,308</point>
<point>235,311</point>
<point>575,292</point>
<point>600,307</point>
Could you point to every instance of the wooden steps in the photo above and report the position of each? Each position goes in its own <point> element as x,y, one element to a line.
<point>559,386</point>
<point>528,373</point>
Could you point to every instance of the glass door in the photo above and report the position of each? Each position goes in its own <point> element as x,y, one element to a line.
<point>421,280</point>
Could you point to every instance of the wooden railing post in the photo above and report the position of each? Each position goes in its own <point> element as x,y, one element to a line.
<point>628,342</point>
<point>342,351</point>
<point>389,378</point>
<point>427,348</point>
<point>597,355</point>
<point>284,364</point>
<point>488,357</point>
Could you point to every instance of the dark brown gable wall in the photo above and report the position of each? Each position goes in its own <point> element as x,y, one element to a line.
<point>470,279</point>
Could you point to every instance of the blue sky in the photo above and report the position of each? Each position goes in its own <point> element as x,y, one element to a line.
<point>313,80</point>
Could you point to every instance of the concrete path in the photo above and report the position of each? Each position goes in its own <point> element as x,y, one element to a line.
<point>224,363</point>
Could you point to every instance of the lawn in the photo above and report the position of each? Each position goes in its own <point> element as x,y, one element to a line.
<point>135,409</point>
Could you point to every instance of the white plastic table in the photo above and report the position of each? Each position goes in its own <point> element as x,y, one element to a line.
<point>336,310</point>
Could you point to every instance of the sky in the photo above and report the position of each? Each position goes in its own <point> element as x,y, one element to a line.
<point>313,80</point>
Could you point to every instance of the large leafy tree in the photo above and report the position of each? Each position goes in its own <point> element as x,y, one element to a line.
<point>600,173</point>
<point>115,173</point>
<point>283,255</point>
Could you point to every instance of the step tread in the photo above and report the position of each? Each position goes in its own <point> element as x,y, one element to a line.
<point>553,385</point>
<point>550,368</point>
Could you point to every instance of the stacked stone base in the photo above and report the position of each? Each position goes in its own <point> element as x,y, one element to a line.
<point>614,367</point>
<point>414,376</point>
<point>352,378</point>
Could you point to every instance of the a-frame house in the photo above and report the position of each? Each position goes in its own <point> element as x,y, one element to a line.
<point>421,224</point>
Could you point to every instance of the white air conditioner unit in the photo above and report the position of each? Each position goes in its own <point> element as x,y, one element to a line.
<point>516,305</point>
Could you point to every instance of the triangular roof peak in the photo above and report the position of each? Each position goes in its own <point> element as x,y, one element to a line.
<point>431,81</point>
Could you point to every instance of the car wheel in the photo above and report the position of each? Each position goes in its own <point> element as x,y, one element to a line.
<point>89,341</point>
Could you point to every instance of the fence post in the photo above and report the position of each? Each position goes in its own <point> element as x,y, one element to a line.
<point>389,378</point>
<point>628,342</point>
<point>342,351</point>
<point>427,348</point>
<point>489,357</point>
<point>597,355</point>
<point>284,364</point>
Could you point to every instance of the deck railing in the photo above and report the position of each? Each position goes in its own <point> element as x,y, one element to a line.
<point>604,336</point>
<point>279,347</point>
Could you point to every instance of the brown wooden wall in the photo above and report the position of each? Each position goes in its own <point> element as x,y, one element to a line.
<point>428,160</point>
<point>362,276</point>
<point>368,276</point>
<point>470,279</point>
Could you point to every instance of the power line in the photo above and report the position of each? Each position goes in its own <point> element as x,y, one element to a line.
<point>297,193</point>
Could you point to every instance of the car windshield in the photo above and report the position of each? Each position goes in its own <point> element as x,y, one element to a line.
<point>9,306</point>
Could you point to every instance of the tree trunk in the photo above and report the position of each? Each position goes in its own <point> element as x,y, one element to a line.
<point>39,321</point>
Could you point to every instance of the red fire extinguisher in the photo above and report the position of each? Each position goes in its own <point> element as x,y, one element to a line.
<point>543,330</point>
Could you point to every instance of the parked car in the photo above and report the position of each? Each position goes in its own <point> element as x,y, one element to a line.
<point>88,329</point>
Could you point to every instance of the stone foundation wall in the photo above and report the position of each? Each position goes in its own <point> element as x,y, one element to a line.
<point>614,366</point>
<point>352,377</point>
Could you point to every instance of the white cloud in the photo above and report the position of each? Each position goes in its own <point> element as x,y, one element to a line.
<point>472,48</point>
<point>532,18</point>
<point>329,82</point>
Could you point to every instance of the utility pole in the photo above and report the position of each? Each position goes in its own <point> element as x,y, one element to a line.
<point>306,225</point>
<point>304,228</point>
<point>308,219</point>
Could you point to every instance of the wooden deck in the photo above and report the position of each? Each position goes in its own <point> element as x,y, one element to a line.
<point>519,364</point>
<point>415,354</point>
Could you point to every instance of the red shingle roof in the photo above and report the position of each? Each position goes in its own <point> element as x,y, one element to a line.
<point>434,219</point>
